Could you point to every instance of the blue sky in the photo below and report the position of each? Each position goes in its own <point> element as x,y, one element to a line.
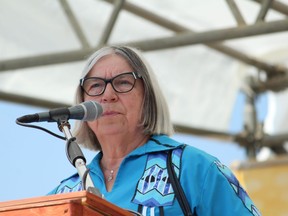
<point>34,162</point>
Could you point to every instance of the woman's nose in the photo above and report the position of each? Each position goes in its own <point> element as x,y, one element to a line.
<point>109,94</point>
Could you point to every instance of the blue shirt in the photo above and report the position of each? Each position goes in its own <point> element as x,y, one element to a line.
<point>142,179</point>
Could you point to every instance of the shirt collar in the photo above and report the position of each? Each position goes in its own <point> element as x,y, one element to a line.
<point>155,143</point>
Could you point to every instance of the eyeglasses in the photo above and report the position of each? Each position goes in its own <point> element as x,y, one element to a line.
<point>122,83</point>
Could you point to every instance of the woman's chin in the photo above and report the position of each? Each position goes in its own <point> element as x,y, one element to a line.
<point>110,129</point>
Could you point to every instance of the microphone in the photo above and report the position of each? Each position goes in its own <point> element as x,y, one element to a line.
<point>86,111</point>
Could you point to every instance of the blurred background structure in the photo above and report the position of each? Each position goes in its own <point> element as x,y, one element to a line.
<point>217,62</point>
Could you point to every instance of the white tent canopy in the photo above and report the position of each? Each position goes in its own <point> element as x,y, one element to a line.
<point>201,51</point>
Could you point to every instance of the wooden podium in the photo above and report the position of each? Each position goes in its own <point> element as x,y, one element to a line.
<point>80,203</point>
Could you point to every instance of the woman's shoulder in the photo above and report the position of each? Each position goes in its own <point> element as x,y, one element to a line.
<point>190,155</point>
<point>190,151</point>
<point>194,153</point>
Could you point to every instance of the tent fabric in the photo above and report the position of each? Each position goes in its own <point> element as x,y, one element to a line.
<point>199,83</point>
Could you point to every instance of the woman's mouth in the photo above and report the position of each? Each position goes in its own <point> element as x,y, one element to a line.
<point>110,113</point>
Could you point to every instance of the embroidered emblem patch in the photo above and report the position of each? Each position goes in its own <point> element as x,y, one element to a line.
<point>154,188</point>
<point>241,193</point>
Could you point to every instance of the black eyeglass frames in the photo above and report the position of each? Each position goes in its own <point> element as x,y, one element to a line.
<point>122,83</point>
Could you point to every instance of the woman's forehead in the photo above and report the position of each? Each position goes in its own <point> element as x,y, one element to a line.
<point>111,64</point>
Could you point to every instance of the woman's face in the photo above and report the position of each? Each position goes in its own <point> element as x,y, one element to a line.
<point>121,111</point>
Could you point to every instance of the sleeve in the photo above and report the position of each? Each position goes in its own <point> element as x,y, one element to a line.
<point>54,191</point>
<point>223,195</point>
<point>71,184</point>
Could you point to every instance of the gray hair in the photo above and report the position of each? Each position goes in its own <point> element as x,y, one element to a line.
<point>155,115</point>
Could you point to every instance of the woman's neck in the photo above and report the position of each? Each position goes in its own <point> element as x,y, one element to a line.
<point>116,148</point>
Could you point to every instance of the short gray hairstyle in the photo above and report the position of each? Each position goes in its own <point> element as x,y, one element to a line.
<point>155,115</point>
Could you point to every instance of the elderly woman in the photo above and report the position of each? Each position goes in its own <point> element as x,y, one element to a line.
<point>139,167</point>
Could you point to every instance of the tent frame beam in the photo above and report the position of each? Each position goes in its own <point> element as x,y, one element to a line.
<point>74,23</point>
<point>181,39</point>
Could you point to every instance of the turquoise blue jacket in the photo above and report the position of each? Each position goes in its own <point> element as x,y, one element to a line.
<point>142,181</point>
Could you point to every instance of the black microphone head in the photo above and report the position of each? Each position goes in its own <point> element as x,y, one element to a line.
<point>86,111</point>
<point>28,118</point>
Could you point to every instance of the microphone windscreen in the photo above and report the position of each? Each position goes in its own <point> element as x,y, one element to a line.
<point>93,110</point>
